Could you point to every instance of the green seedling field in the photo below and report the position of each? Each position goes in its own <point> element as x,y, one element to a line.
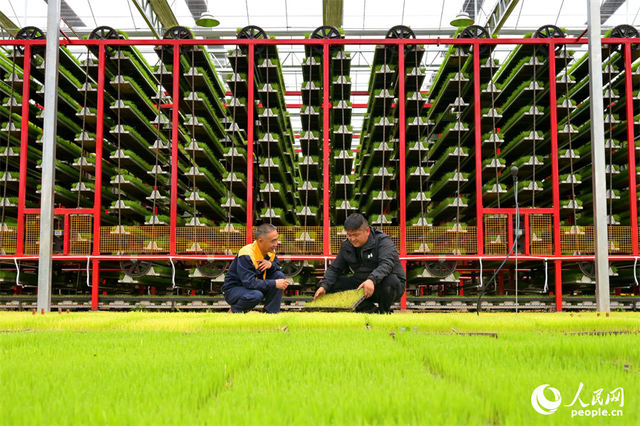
<point>314,368</point>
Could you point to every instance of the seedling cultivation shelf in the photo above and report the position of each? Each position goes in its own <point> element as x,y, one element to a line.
<point>163,169</point>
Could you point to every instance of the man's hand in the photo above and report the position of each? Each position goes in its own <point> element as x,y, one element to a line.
<point>369,288</point>
<point>319,293</point>
<point>263,265</point>
<point>282,284</point>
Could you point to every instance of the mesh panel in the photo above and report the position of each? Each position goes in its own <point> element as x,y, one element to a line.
<point>338,235</point>
<point>81,237</point>
<point>541,234</point>
<point>620,239</point>
<point>134,239</point>
<point>210,240</point>
<point>300,240</point>
<point>576,240</point>
<point>417,237</point>
<point>8,239</point>
<point>31,233</point>
<point>495,234</point>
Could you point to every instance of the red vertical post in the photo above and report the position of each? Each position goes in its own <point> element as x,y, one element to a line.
<point>175,125</point>
<point>326,104</point>
<point>477,113</point>
<point>527,235</point>
<point>97,201</point>
<point>631,148</point>
<point>501,283</point>
<point>553,109</point>
<point>250,108</point>
<point>24,146</point>
<point>403,161</point>
<point>67,234</point>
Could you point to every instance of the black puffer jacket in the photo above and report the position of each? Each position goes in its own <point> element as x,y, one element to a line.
<point>378,259</point>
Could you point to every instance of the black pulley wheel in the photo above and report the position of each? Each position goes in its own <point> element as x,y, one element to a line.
<point>253,32</point>
<point>291,268</point>
<point>325,32</point>
<point>103,33</point>
<point>441,268</point>
<point>212,268</point>
<point>588,268</point>
<point>135,268</point>
<point>624,31</point>
<point>475,31</point>
<point>403,32</point>
<point>548,31</point>
<point>178,33</point>
<point>31,33</point>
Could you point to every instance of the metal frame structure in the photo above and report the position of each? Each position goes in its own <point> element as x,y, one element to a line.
<point>96,256</point>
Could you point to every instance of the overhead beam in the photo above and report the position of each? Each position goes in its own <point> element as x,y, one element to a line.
<point>499,15</point>
<point>8,25</point>
<point>472,7</point>
<point>157,14</point>
<point>332,12</point>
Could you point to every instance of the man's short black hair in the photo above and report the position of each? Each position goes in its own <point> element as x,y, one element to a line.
<point>263,230</point>
<point>354,222</point>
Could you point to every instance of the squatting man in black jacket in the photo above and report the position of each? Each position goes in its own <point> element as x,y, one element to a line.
<point>369,260</point>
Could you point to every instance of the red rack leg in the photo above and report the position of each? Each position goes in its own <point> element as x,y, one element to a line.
<point>24,147</point>
<point>250,109</point>
<point>631,147</point>
<point>326,104</point>
<point>97,202</point>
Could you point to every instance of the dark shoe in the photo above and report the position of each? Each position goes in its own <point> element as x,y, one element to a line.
<point>367,307</point>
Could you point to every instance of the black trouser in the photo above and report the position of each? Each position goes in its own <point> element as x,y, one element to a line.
<point>386,292</point>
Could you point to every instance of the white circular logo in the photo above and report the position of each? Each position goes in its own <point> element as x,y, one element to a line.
<point>541,404</point>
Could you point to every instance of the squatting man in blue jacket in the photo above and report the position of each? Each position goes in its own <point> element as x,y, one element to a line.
<point>255,274</point>
<point>367,259</point>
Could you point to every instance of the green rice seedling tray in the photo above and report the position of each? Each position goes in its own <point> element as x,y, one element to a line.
<point>346,301</point>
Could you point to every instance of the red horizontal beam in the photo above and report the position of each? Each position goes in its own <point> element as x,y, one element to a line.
<point>321,42</point>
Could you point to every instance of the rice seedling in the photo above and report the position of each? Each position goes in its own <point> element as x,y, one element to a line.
<point>344,300</point>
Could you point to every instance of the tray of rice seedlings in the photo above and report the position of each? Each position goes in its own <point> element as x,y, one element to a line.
<point>378,174</point>
<point>449,160</point>
<point>342,136</point>
<point>569,206</point>
<point>206,204</point>
<point>309,167</point>
<point>307,215</point>
<point>523,120</point>
<point>417,152</point>
<point>132,140</point>
<point>275,194</point>
<point>271,143</point>
<point>311,92</point>
<point>162,219</point>
<point>9,181</point>
<point>205,180</point>
<point>382,219</point>
<point>491,191</point>
<point>275,215</point>
<point>333,302</point>
<point>308,192</point>
<point>416,127</point>
<point>381,101</point>
<point>341,111</point>
<point>65,197</point>
<point>311,117</point>
<point>272,166</point>
<point>344,208</point>
<point>237,156</point>
<point>11,203</point>
<point>198,104</point>
<point>235,181</point>
<point>206,131</point>
<point>521,144</point>
<point>382,76</point>
<point>129,209</point>
<point>448,184</point>
<point>449,92</point>
<point>130,185</point>
<point>344,185</point>
<point>447,208</point>
<point>378,200</point>
<point>235,204</point>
